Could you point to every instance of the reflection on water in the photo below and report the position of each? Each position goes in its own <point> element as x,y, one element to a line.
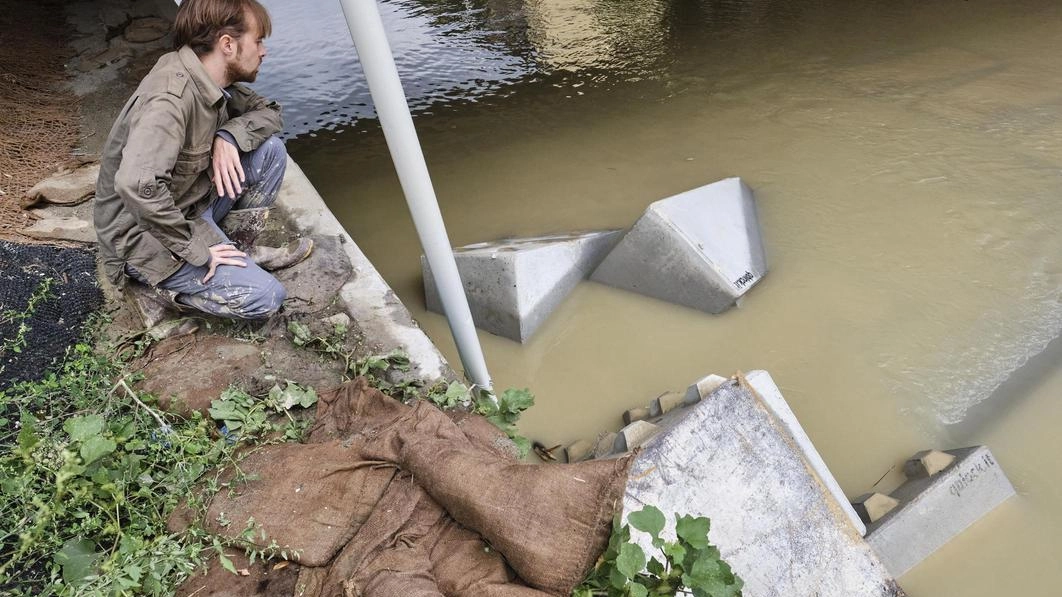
<point>907,160</point>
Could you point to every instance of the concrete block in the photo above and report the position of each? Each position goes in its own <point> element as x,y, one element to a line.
<point>731,459</point>
<point>873,506</point>
<point>701,249</point>
<point>936,509</point>
<point>513,285</point>
<point>605,444</point>
<point>666,403</point>
<point>926,464</point>
<point>704,386</point>
<point>579,450</point>
<point>635,414</point>
<point>634,436</point>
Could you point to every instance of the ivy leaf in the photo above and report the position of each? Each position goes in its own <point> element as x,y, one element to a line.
<point>655,567</point>
<point>82,428</point>
<point>516,401</point>
<point>78,560</point>
<point>675,552</point>
<point>706,566</point>
<point>637,590</point>
<point>616,579</point>
<point>631,560</point>
<point>649,519</point>
<point>693,530</point>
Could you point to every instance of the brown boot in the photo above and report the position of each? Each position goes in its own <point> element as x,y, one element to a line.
<point>159,311</point>
<point>274,258</point>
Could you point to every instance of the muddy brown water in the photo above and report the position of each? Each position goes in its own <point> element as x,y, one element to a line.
<point>906,161</point>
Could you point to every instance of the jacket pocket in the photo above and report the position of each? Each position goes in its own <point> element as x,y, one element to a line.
<point>191,163</point>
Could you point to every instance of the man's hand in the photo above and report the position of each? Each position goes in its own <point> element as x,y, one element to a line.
<point>228,171</point>
<point>224,255</point>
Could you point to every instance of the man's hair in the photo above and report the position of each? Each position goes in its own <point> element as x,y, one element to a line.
<point>201,23</point>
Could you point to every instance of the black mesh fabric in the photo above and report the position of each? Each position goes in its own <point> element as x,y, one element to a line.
<point>57,320</point>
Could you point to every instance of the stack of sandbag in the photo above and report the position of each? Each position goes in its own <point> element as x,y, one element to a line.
<point>396,500</point>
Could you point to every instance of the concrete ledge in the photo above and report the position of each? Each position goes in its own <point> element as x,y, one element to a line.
<point>367,298</point>
<point>780,526</point>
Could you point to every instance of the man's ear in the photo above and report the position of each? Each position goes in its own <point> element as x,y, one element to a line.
<point>226,44</point>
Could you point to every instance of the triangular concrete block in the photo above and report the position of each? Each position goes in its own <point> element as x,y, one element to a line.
<point>701,249</point>
<point>514,284</point>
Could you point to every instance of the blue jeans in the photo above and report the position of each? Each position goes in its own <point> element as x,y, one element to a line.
<point>236,292</point>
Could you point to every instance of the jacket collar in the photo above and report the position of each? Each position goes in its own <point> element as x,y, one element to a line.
<point>207,87</point>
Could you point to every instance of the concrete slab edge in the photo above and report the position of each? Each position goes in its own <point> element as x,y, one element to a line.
<point>367,297</point>
<point>764,385</point>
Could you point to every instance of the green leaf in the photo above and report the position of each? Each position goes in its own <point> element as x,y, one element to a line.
<point>706,566</point>
<point>523,445</point>
<point>292,395</point>
<point>637,590</point>
<point>675,552</point>
<point>226,563</point>
<point>95,448</point>
<point>78,560</point>
<point>300,333</point>
<point>516,401</point>
<point>617,579</point>
<point>82,428</point>
<point>693,530</point>
<point>656,567</point>
<point>27,436</point>
<point>631,559</point>
<point>649,519</point>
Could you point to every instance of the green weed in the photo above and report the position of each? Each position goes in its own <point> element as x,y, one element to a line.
<point>690,565</point>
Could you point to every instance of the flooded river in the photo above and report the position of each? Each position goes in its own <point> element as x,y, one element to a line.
<point>907,162</point>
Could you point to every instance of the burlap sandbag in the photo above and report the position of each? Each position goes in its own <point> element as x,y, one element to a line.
<point>549,521</point>
<point>309,498</point>
<point>411,546</point>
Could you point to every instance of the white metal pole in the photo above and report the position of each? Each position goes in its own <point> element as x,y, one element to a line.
<point>367,31</point>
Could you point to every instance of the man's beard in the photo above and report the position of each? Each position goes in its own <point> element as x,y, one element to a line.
<point>236,74</point>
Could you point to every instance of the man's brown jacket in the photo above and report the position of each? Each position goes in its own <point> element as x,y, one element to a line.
<point>154,174</point>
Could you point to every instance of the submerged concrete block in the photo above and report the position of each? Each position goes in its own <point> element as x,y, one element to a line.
<point>635,414</point>
<point>635,435</point>
<point>873,506</point>
<point>605,444</point>
<point>926,464</point>
<point>936,509</point>
<point>579,450</point>
<point>701,249</point>
<point>777,523</point>
<point>666,403</point>
<point>704,386</point>
<point>514,284</point>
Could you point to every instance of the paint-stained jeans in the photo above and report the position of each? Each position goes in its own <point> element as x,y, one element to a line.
<point>236,292</point>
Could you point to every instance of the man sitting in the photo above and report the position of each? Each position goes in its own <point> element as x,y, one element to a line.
<point>189,146</point>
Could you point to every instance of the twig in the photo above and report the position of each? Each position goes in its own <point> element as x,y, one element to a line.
<point>121,382</point>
